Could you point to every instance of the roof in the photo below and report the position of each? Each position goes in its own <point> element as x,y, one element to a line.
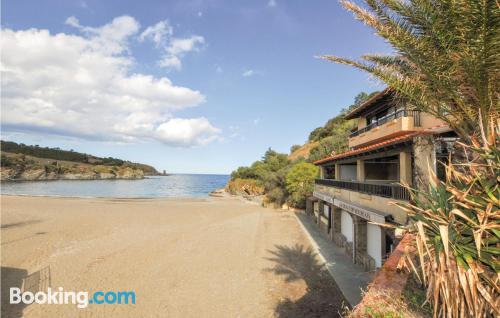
<point>395,140</point>
<point>372,100</point>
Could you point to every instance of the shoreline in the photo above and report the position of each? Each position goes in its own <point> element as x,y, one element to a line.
<point>103,198</point>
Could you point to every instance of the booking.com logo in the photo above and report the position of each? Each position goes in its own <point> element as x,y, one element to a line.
<point>80,299</point>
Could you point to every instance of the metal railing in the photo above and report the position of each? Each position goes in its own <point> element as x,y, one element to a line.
<point>394,191</point>
<point>398,114</point>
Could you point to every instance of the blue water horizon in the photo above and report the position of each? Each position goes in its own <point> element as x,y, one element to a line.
<point>171,186</point>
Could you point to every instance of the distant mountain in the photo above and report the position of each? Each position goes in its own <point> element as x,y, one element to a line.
<point>25,162</point>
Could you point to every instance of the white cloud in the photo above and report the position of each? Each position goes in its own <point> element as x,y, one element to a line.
<point>271,3</point>
<point>248,73</point>
<point>187,132</point>
<point>256,121</point>
<point>200,14</point>
<point>158,33</point>
<point>81,86</point>
<point>111,38</point>
<point>218,69</point>
<point>174,48</point>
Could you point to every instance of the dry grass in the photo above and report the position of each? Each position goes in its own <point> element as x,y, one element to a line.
<point>303,151</point>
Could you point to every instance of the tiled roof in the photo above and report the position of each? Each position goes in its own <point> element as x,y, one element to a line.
<point>401,138</point>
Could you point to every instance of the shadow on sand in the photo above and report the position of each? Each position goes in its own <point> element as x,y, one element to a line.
<point>11,277</point>
<point>19,224</point>
<point>322,299</point>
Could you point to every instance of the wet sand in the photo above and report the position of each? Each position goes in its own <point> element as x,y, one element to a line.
<point>214,257</point>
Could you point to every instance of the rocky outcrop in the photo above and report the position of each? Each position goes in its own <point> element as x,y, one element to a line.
<point>129,173</point>
<point>37,174</point>
<point>20,167</point>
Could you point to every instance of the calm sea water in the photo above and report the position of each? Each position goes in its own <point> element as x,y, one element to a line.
<point>173,186</point>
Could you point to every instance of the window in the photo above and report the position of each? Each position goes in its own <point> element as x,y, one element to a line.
<point>384,169</point>
<point>330,172</point>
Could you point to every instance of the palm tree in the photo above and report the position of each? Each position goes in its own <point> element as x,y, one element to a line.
<point>446,62</point>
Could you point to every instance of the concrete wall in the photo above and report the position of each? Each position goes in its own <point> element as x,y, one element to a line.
<point>366,200</point>
<point>374,243</point>
<point>392,127</point>
<point>361,122</point>
<point>346,225</point>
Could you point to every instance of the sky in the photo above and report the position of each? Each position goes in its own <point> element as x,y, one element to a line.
<point>188,86</point>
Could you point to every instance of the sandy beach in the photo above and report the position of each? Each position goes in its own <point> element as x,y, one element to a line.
<point>214,257</point>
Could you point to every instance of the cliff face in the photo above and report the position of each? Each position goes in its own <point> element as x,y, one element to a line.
<point>26,168</point>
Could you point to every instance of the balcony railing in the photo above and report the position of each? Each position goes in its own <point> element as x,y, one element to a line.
<point>382,190</point>
<point>398,114</point>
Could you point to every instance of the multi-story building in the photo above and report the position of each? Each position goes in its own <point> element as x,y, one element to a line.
<point>354,197</point>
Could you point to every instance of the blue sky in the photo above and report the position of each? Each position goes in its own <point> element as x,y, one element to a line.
<point>186,86</point>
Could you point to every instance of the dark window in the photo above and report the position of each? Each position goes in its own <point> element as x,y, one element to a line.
<point>330,172</point>
<point>382,169</point>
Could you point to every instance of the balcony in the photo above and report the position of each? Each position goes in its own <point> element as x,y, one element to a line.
<point>393,191</point>
<point>401,120</point>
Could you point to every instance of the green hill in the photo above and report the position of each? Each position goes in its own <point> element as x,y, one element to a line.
<point>26,162</point>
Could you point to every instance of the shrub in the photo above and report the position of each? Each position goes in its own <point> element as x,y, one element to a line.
<point>300,182</point>
<point>277,196</point>
<point>246,186</point>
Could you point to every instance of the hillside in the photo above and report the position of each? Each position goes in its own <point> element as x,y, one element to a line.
<point>289,179</point>
<point>302,151</point>
<point>24,162</point>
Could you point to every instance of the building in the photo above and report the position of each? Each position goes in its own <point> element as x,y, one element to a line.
<point>353,198</point>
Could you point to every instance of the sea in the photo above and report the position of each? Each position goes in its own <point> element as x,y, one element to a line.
<point>171,186</point>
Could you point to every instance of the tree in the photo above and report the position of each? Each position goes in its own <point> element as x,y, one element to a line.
<point>300,182</point>
<point>447,64</point>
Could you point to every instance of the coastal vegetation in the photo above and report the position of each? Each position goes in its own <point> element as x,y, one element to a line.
<point>24,162</point>
<point>289,179</point>
<point>447,63</point>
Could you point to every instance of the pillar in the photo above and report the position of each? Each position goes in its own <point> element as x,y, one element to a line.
<point>337,171</point>
<point>320,211</point>
<point>322,172</point>
<point>360,235</point>
<point>405,168</point>
<point>360,165</point>
<point>309,206</point>
<point>425,162</point>
<point>336,215</point>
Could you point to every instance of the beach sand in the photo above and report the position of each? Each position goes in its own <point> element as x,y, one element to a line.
<point>214,257</point>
